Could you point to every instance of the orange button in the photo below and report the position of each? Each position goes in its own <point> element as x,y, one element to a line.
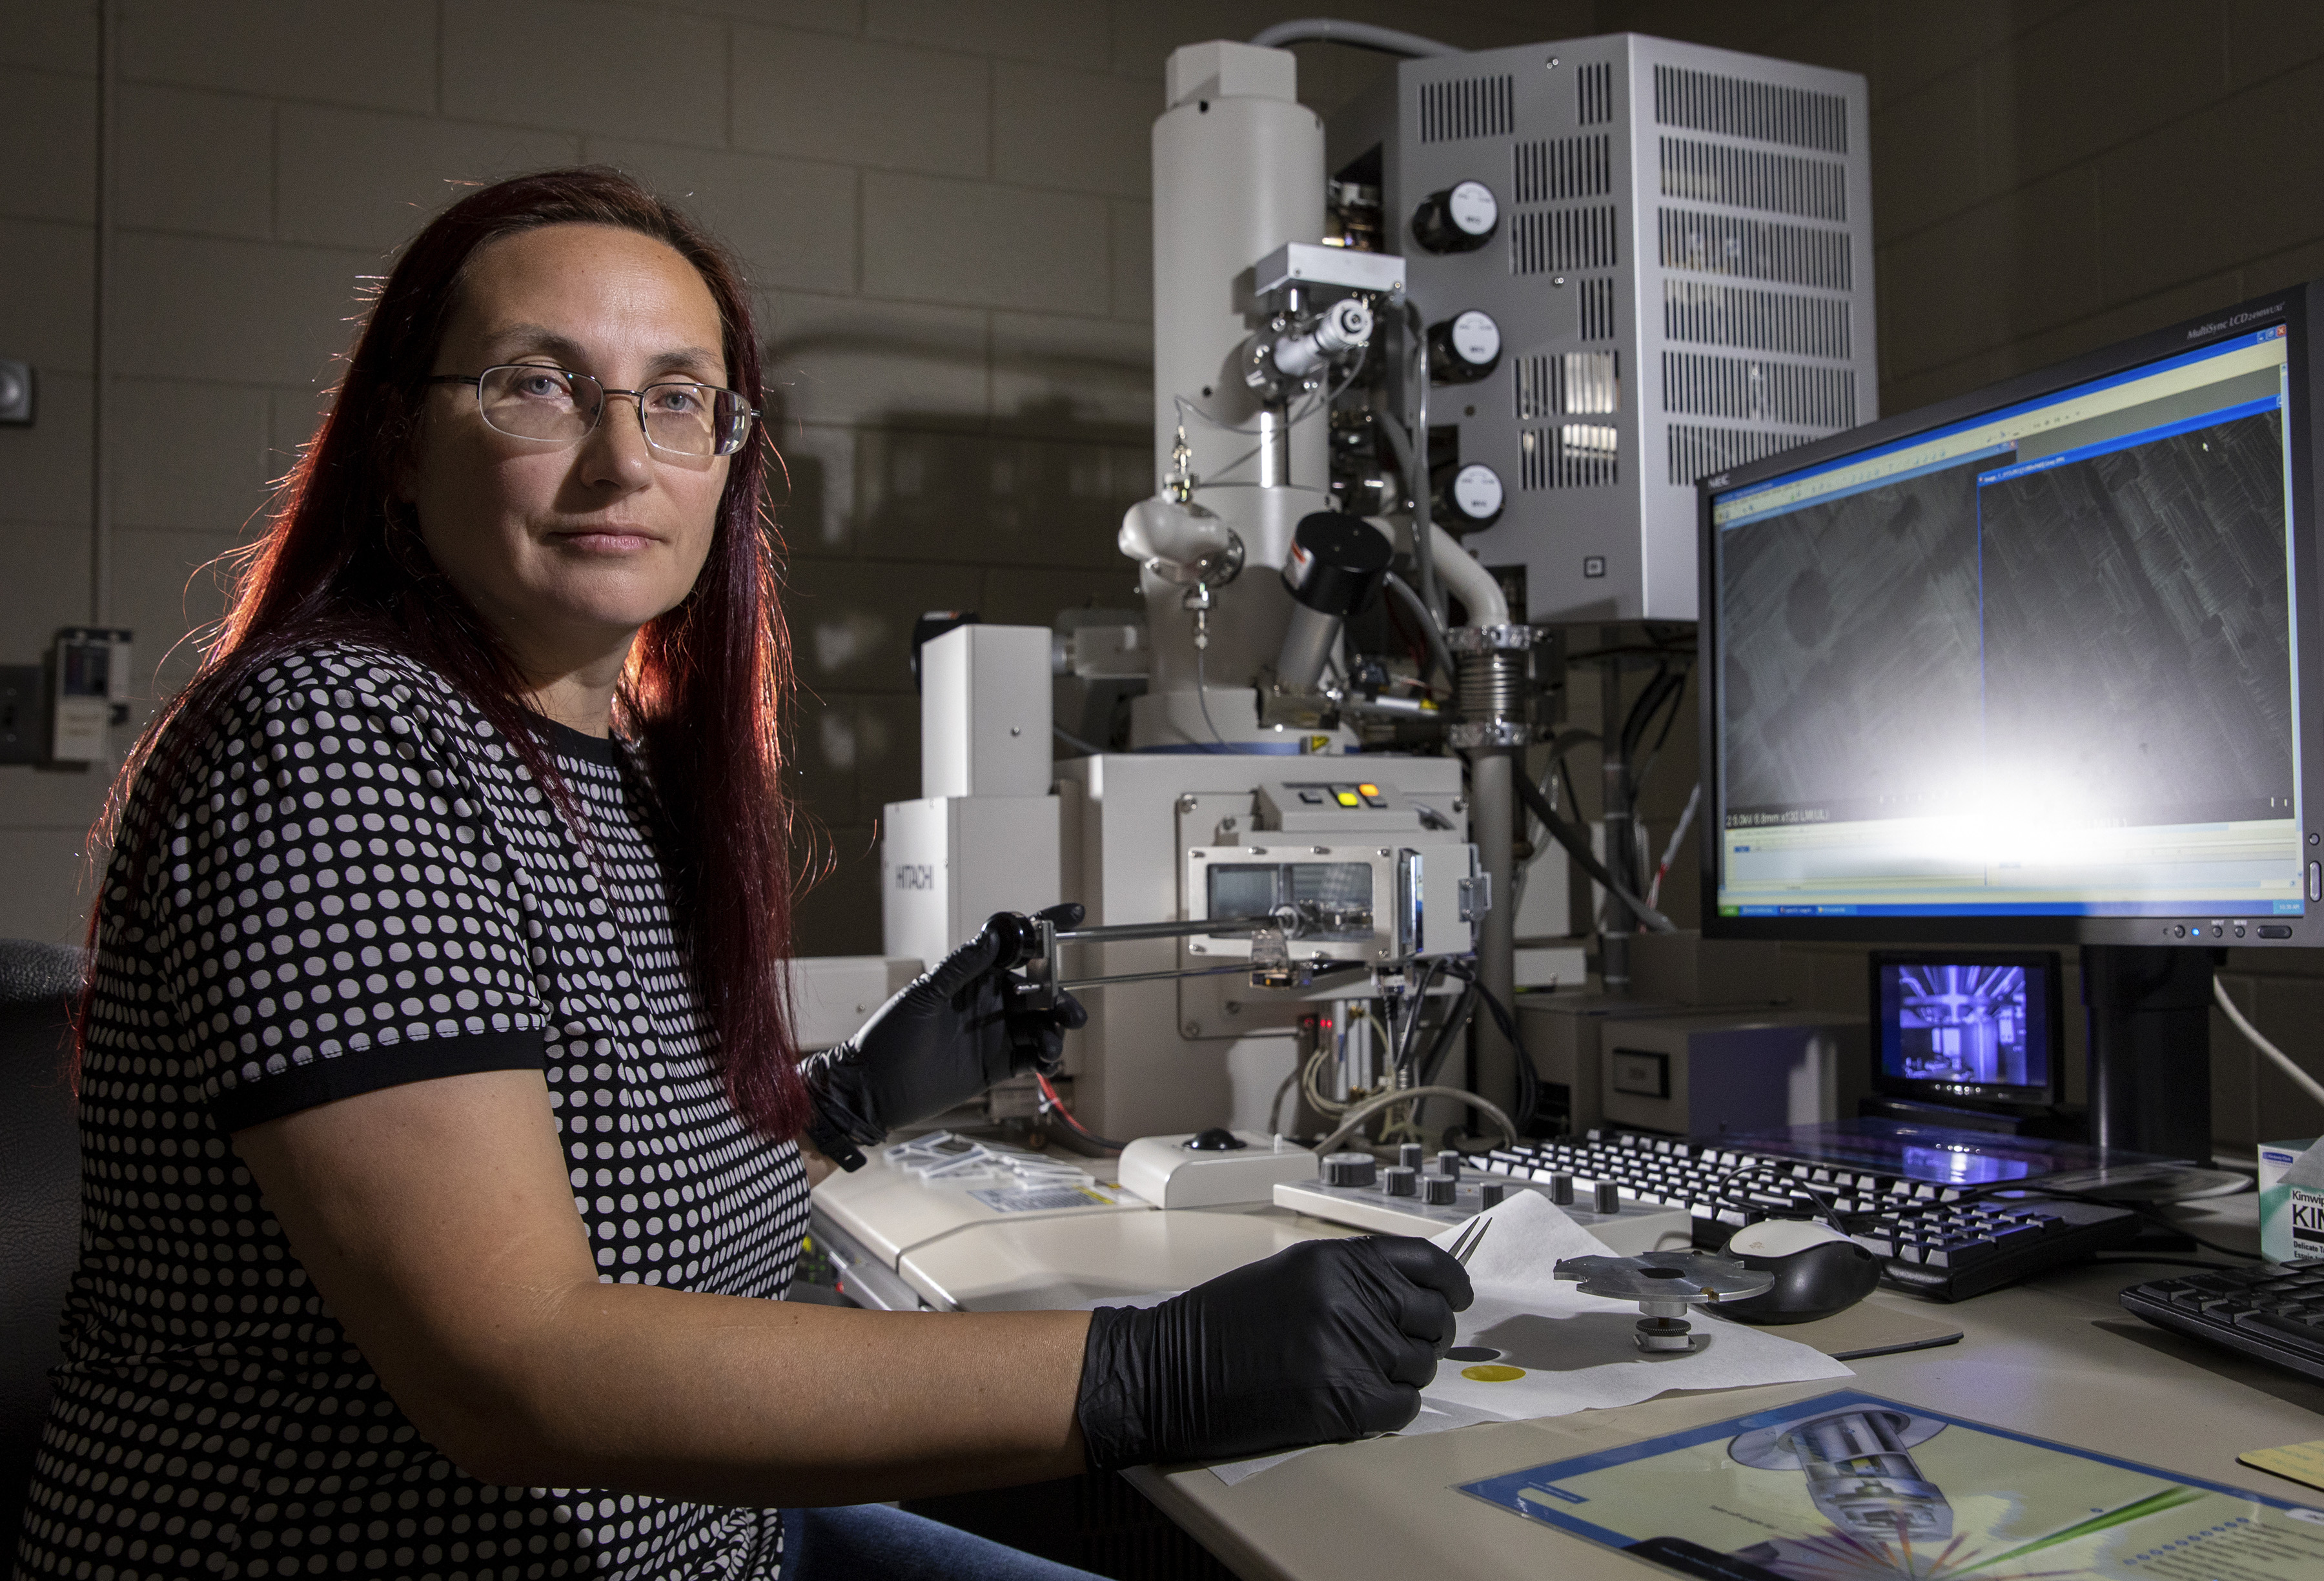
<point>1369,790</point>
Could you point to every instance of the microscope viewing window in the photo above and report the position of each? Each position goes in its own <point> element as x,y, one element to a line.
<point>1333,899</point>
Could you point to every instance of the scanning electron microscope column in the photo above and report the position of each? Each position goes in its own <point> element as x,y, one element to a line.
<point>1237,172</point>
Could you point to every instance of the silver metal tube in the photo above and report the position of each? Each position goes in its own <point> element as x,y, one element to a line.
<point>1492,809</point>
<point>1199,925</point>
<point>1274,447</point>
<point>1306,645</point>
<point>1078,983</point>
<point>1362,35</point>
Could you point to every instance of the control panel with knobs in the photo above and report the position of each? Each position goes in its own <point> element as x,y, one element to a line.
<point>1471,497</point>
<point>1463,349</point>
<point>1424,1194</point>
<point>1461,219</point>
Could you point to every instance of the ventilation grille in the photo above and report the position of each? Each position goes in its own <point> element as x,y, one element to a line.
<point>1746,178</point>
<point>1574,455</point>
<point>1758,392</point>
<point>1596,314</point>
<point>1593,93</point>
<point>1563,167</point>
<point>1704,101</point>
<point>1566,384</point>
<point>1698,452</point>
<point>1755,321</point>
<point>1554,240</point>
<point>1755,249</point>
<point>1471,106</point>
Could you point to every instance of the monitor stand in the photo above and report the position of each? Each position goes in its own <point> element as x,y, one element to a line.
<point>2150,1048</point>
<point>2001,1119</point>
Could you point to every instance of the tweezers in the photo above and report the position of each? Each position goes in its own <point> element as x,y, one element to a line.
<point>1467,1240</point>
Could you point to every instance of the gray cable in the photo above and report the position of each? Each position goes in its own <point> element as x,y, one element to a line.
<point>1438,653</point>
<point>1361,35</point>
<point>1354,1119</point>
<point>1203,697</point>
<point>1585,858</point>
<point>2308,1083</point>
<point>1423,540</point>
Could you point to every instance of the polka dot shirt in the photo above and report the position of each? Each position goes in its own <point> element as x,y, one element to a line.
<point>360,886</point>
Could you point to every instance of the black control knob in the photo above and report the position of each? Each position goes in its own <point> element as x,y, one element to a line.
<point>1348,1168</point>
<point>1410,1154</point>
<point>1217,1139</point>
<point>1463,349</point>
<point>1471,497</point>
<point>1561,1190</point>
<point>1608,1199</point>
<point>1448,1162</point>
<point>1437,1190</point>
<point>1461,219</point>
<point>1492,1193</point>
<point>1400,1180</point>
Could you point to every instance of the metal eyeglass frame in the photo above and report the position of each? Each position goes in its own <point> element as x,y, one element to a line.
<point>605,392</point>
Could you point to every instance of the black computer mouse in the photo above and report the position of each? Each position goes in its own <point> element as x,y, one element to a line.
<point>1818,1271</point>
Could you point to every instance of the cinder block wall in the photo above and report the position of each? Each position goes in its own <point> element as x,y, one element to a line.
<point>944,206</point>
<point>942,203</point>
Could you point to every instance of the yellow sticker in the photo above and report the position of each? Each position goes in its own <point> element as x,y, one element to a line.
<point>2302,1463</point>
<point>1487,1373</point>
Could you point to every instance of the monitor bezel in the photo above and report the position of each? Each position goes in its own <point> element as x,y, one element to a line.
<point>2294,308</point>
<point>2047,961</point>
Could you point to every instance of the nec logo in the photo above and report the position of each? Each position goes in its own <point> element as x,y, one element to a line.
<point>1718,482</point>
<point>916,875</point>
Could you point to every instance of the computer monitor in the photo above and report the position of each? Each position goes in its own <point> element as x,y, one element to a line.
<point>1955,1027</point>
<point>2035,666</point>
<point>2028,666</point>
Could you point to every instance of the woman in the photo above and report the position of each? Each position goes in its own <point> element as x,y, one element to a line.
<point>442,1179</point>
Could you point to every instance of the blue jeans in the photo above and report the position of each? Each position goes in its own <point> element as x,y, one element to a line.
<point>871,1542</point>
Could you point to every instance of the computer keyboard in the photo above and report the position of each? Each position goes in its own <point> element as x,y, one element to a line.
<point>2274,1311</point>
<point>1937,1240</point>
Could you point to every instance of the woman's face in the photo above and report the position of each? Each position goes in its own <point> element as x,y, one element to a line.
<point>568,549</point>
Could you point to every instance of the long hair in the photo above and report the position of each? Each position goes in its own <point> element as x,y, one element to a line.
<point>705,683</point>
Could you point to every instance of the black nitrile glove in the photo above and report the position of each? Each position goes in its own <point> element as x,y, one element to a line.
<point>1323,1341</point>
<point>941,1039</point>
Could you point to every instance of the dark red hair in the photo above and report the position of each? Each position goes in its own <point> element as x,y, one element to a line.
<point>705,684</point>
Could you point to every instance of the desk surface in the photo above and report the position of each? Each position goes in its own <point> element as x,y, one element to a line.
<point>2059,1359</point>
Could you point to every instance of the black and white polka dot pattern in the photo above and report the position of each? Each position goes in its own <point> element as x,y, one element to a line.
<point>362,887</point>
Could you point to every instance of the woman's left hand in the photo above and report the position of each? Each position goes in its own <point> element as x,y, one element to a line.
<point>942,1039</point>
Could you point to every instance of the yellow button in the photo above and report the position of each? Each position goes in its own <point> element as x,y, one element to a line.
<point>1347,799</point>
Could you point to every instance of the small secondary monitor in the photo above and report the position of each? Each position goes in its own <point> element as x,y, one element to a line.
<point>1957,1027</point>
<point>2037,665</point>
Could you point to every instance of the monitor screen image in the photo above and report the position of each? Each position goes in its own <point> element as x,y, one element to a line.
<point>2038,661</point>
<point>1967,1030</point>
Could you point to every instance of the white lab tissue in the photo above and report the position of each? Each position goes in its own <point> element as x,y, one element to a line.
<point>1576,1351</point>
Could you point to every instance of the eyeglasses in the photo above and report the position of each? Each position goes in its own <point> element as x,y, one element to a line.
<point>534,401</point>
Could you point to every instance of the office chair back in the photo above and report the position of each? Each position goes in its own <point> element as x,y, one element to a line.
<point>40,1200</point>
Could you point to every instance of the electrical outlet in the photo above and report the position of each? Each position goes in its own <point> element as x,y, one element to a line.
<point>91,676</point>
<point>15,391</point>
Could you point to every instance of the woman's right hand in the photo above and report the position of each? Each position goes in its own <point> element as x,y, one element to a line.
<point>1323,1341</point>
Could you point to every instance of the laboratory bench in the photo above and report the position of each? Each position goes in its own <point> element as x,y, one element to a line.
<point>2056,1358</point>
